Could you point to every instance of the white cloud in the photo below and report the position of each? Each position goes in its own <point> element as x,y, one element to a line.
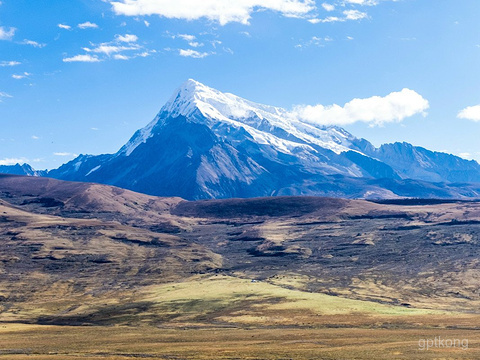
<point>147,24</point>
<point>470,113</point>
<point>33,43</point>
<point>88,25</point>
<point>82,58</point>
<point>108,50</point>
<point>120,57</point>
<point>326,20</point>
<point>186,37</point>
<point>4,95</point>
<point>375,110</point>
<point>64,26</point>
<point>362,2</point>
<point>7,33</point>
<point>115,49</point>
<point>193,53</point>
<point>34,137</point>
<point>222,11</point>
<point>191,39</point>
<point>128,38</point>
<point>13,161</point>
<point>146,53</point>
<point>9,63</point>
<point>354,15</point>
<point>328,7</point>
<point>64,154</point>
<point>347,15</point>
<point>21,76</point>
<point>215,43</point>
<point>195,44</point>
<point>466,155</point>
<point>315,41</point>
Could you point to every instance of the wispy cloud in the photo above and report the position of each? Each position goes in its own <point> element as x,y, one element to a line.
<point>220,11</point>
<point>354,15</point>
<point>87,25</point>
<point>109,49</point>
<point>362,2</point>
<point>34,137</point>
<point>347,15</point>
<point>122,47</point>
<point>315,41</point>
<point>4,95</point>
<point>376,110</point>
<point>13,161</point>
<point>82,58</point>
<point>470,113</point>
<point>190,39</point>
<point>127,38</point>
<point>192,53</point>
<point>65,154</point>
<point>121,57</point>
<point>21,76</point>
<point>64,26</point>
<point>33,43</point>
<point>186,37</point>
<point>7,33</point>
<point>9,63</point>
<point>328,7</point>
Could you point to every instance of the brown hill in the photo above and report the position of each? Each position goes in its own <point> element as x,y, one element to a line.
<point>75,253</point>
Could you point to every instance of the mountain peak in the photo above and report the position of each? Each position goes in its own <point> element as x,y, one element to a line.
<point>191,89</point>
<point>266,124</point>
<point>193,85</point>
<point>193,95</point>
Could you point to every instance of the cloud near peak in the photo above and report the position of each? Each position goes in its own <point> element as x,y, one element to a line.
<point>470,113</point>
<point>376,110</point>
<point>221,11</point>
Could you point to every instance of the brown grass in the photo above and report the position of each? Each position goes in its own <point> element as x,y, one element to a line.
<point>24,342</point>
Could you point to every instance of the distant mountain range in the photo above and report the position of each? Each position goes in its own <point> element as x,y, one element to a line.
<point>21,169</point>
<point>207,144</point>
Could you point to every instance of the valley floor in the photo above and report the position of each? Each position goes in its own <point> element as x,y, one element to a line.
<point>222,317</point>
<point>38,342</point>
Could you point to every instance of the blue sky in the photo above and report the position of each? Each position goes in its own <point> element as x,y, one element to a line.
<point>80,76</point>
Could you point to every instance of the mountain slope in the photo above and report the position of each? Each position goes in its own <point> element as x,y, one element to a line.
<point>207,144</point>
<point>23,169</point>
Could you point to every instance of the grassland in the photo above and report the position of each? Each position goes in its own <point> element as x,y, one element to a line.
<point>223,317</point>
<point>22,342</point>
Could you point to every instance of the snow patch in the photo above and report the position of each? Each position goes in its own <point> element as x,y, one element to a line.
<point>94,169</point>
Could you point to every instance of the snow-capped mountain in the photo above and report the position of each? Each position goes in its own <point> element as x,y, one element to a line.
<point>23,169</point>
<point>207,144</point>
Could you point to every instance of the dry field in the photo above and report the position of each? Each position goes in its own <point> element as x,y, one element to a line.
<point>54,342</point>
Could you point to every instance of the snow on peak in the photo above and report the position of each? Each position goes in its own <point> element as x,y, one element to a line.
<point>195,100</point>
<point>200,103</point>
<point>213,104</point>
